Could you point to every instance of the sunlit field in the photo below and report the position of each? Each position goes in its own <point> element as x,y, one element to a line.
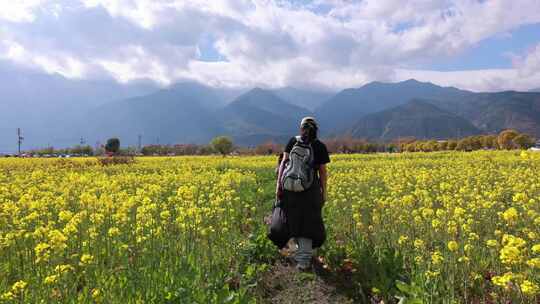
<point>424,227</point>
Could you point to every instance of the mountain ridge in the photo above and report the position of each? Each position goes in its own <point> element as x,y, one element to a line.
<point>191,112</point>
<point>258,112</point>
<point>417,118</point>
<point>303,98</point>
<point>341,111</point>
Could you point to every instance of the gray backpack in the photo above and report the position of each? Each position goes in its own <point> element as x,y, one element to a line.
<point>299,172</point>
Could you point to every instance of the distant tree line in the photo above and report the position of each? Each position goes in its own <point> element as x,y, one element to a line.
<point>179,149</point>
<point>222,145</point>
<point>506,140</point>
<point>76,150</point>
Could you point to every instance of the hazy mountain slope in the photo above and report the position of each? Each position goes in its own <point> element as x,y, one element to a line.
<point>54,110</point>
<point>180,114</point>
<point>303,98</point>
<point>493,112</point>
<point>417,118</point>
<point>344,109</point>
<point>259,114</point>
<point>46,106</point>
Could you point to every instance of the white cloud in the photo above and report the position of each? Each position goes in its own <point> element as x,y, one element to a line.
<point>18,10</point>
<point>141,12</point>
<point>138,64</point>
<point>331,44</point>
<point>529,65</point>
<point>64,64</point>
<point>525,75</point>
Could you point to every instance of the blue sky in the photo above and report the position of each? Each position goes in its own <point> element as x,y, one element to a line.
<point>492,53</point>
<point>326,44</point>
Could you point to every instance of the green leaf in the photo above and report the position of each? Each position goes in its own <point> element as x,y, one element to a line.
<point>403,287</point>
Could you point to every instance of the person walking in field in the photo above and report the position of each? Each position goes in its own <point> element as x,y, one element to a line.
<point>301,188</point>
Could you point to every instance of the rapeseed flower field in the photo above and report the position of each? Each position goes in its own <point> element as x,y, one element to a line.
<point>424,228</point>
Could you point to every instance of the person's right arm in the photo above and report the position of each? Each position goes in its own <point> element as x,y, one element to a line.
<point>279,191</point>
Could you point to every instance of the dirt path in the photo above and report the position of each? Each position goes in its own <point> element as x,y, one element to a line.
<point>284,284</point>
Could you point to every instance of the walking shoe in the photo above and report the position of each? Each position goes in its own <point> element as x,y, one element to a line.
<point>303,267</point>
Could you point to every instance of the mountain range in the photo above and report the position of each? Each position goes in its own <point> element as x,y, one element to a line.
<point>346,107</point>
<point>190,112</point>
<point>58,111</point>
<point>45,106</point>
<point>418,118</point>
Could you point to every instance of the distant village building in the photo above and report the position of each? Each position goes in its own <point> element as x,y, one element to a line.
<point>536,146</point>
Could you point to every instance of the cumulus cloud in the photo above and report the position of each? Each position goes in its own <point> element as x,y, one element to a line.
<point>529,65</point>
<point>332,44</point>
<point>18,11</point>
<point>524,75</point>
<point>63,64</point>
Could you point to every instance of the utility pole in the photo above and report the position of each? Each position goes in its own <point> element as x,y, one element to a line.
<point>139,142</point>
<point>19,139</point>
<point>82,141</point>
<point>158,140</point>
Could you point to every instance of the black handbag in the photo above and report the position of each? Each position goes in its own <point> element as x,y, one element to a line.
<point>279,232</point>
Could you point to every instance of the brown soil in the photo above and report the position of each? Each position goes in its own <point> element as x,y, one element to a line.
<point>284,284</point>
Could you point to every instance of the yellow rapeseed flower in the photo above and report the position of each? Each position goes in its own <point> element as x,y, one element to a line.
<point>529,288</point>
<point>510,215</point>
<point>86,259</point>
<point>534,263</point>
<point>403,239</point>
<point>453,246</point>
<point>18,287</point>
<point>51,279</point>
<point>504,280</point>
<point>419,244</point>
<point>510,255</point>
<point>492,243</point>
<point>113,231</point>
<point>437,258</point>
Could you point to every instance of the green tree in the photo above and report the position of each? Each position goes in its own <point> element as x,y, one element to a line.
<point>461,145</point>
<point>465,144</point>
<point>505,140</point>
<point>523,141</point>
<point>86,150</point>
<point>410,147</point>
<point>489,141</point>
<point>475,142</point>
<point>222,145</point>
<point>113,145</point>
<point>442,145</point>
<point>432,145</point>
